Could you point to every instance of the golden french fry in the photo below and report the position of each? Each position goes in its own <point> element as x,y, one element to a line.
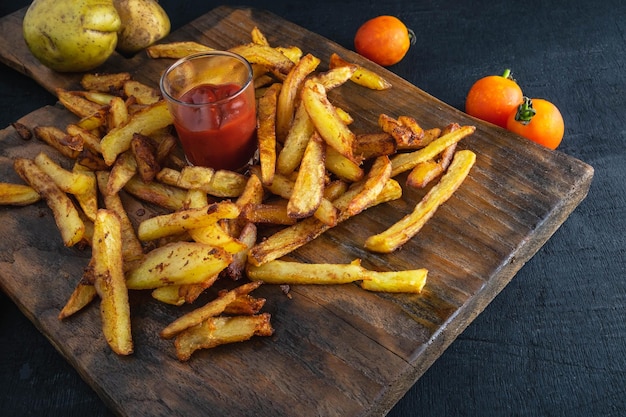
<point>375,181</point>
<point>266,133</point>
<point>335,77</point>
<point>172,198</point>
<point>362,76</point>
<point>76,103</point>
<point>104,82</point>
<point>308,189</point>
<point>177,263</point>
<point>407,227</point>
<point>197,316</point>
<point>372,145</point>
<point>326,120</point>
<point>144,94</point>
<point>407,136</point>
<point>110,283</point>
<point>425,172</point>
<point>147,120</point>
<point>17,194</point>
<point>82,295</point>
<point>66,216</point>
<point>217,331</point>
<point>267,213</point>
<point>343,167</point>
<point>215,235</point>
<point>88,199</point>
<point>411,281</point>
<point>124,168</point>
<point>89,139</point>
<point>95,121</point>
<point>258,36</point>
<point>73,182</point>
<point>406,161</point>
<point>248,237</point>
<point>271,58</point>
<point>118,113</point>
<point>56,138</point>
<point>176,50</point>
<point>295,142</point>
<point>131,246</point>
<point>100,98</point>
<point>286,103</point>
<point>186,219</point>
<point>144,150</point>
<point>220,183</point>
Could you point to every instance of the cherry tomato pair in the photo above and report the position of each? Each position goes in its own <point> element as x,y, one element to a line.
<point>499,100</point>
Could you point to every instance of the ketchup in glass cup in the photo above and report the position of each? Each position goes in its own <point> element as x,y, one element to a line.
<point>211,98</point>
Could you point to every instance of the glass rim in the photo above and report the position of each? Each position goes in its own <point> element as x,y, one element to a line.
<point>197,55</point>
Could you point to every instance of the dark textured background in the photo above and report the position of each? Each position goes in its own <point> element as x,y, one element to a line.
<point>552,343</point>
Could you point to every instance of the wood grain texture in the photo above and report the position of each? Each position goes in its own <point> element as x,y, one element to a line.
<point>336,350</point>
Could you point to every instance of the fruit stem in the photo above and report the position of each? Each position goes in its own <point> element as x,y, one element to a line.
<point>525,111</point>
<point>507,73</point>
<point>412,38</point>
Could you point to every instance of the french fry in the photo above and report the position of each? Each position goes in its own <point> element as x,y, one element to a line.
<point>372,145</point>
<point>215,235</point>
<point>110,283</point>
<point>186,219</point>
<point>248,237</point>
<point>22,130</point>
<point>266,133</point>
<point>94,121</point>
<point>104,82</point>
<point>407,227</point>
<point>131,246</point>
<point>375,181</point>
<point>407,161</point>
<point>145,121</point>
<point>17,194</point>
<point>56,138</point>
<point>82,295</point>
<point>197,316</point>
<point>66,216</point>
<point>76,103</point>
<point>118,113</point>
<point>409,281</point>
<point>89,139</point>
<point>326,120</point>
<point>268,213</point>
<point>217,331</point>
<point>163,195</point>
<point>271,58</point>
<point>177,263</point>
<point>425,172</point>
<point>145,153</point>
<point>286,103</point>
<point>362,76</point>
<point>336,76</point>
<point>295,142</point>
<point>176,50</point>
<point>407,135</point>
<point>308,189</point>
<point>73,182</point>
<point>144,94</point>
<point>343,167</point>
<point>220,183</point>
<point>258,37</point>
<point>122,171</point>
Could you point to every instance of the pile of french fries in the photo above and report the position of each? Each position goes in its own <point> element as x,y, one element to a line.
<point>313,172</point>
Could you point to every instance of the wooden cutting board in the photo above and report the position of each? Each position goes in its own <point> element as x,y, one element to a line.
<point>336,350</point>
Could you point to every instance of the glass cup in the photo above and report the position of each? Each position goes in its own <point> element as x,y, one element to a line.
<point>211,98</point>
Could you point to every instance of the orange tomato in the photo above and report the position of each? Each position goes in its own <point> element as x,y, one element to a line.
<point>493,98</point>
<point>384,40</point>
<point>538,120</point>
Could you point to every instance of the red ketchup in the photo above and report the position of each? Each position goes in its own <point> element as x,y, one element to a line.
<point>222,135</point>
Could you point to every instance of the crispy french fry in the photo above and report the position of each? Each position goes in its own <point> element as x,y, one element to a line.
<point>265,213</point>
<point>76,103</point>
<point>407,135</point>
<point>343,167</point>
<point>145,121</point>
<point>362,76</point>
<point>73,182</point>
<point>17,194</point>
<point>295,142</point>
<point>89,139</point>
<point>56,138</point>
<point>286,103</point>
<point>163,195</point>
<point>124,168</point>
<point>220,183</point>
<point>407,227</point>
<point>326,120</point>
<point>66,216</point>
<point>273,59</point>
<point>372,145</point>
<point>308,189</point>
<point>110,283</point>
<point>82,295</point>
<point>177,263</point>
<point>217,331</point>
<point>118,113</point>
<point>266,133</point>
<point>406,161</point>
<point>176,50</point>
<point>248,237</point>
<point>215,235</point>
<point>425,172</point>
<point>22,130</point>
<point>258,36</point>
<point>144,94</point>
<point>186,219</point>
<point>375,181</point>
<point>104,82</point>
<point>144,150</point>
<point>197,316</point>
<point>335,77</point>
<point>410,281</point>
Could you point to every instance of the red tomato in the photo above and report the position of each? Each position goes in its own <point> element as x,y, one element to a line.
<point>384,40</point>
<point>493,98</point>
<point>538,120</point>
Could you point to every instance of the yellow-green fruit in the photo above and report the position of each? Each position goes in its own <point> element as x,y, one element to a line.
<point>143,23</point>
<point>71,35</point>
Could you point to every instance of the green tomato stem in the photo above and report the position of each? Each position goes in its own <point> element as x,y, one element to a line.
<point>507,73</point>
<point>525,111</point>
